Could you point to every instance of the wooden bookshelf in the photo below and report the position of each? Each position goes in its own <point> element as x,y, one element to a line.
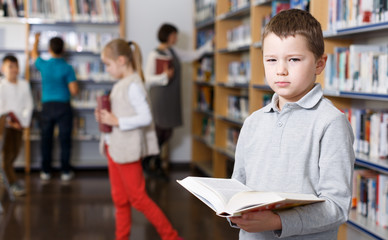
<point>257,89</point>
<point>42,24</point>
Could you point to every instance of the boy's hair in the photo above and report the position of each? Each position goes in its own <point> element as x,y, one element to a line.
<point>11,58</point>
<point>295,21</point>
<point>56,45</point>
<point>120,47</point>
<point>164,31</point>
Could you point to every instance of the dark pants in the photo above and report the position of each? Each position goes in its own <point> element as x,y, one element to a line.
<point>54,113</point>
<point>12,143</point>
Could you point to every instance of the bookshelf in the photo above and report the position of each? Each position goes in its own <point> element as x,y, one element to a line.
<point>85,30</point>
<point>216,158</point>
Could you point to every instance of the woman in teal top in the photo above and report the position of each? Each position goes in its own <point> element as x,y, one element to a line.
<point>58,85</point>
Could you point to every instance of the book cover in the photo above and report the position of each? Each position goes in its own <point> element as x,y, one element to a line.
<point>161,62</point>
<point>103,102</point>
<point>14,119</point>
<point>229,197</point>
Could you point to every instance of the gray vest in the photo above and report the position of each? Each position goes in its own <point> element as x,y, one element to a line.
<point>166,100</point>
<point>132,145</point>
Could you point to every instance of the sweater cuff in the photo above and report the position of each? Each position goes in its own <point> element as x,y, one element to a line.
<point>291,224</point>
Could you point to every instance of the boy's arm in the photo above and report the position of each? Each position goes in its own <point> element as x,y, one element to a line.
<point>35,52</point>
<point>73,88</point>
<point>335,179</point>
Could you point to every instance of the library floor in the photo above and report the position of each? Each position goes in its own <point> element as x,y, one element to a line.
<point>82,210</point>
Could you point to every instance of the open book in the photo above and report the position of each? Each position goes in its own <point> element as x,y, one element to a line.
<point>229,197</point>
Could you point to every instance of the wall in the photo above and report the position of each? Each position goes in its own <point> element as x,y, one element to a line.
<point>143,19</point>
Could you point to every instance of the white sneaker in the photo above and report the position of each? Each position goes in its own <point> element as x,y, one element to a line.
<point>67,176</point>
<point>18,190</point>
<point>45,176</point>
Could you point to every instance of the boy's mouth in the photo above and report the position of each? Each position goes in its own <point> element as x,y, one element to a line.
<point>282,84</point>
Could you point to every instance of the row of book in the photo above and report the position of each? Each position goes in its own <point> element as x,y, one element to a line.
<point>237,4</point>
<point>359,68</point>
<point>76,41</point>
<point>239,72</point>
<point>205,98</point>
<point>232,137</point>
<point>370,195</point>
<point>12,8</point>
<point>205,10</point>
<point>208,130</point>
<point>370,131</point>
<point>345,14</point>
<point>238,107</point>
<point>87,98</point>
<point>205,72</point>
<point>204,36</point>
<point>86,70</point>
<point>239,36</point>
<point>105,11</point>
<point>280,5</point>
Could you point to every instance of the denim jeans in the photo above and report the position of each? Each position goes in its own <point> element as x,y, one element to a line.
<point>61,114</point>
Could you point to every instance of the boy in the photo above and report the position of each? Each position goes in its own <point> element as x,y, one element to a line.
<point>15,97</point>
<point>299,142</point>
<point>58,85</point>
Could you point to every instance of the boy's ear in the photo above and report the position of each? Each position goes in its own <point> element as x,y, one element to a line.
<point>320,65</point>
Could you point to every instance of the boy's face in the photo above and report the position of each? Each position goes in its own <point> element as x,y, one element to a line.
<point>290,67</point>
<point>10,70</point>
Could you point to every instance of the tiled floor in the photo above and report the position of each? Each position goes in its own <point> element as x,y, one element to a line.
<point>82,209</point>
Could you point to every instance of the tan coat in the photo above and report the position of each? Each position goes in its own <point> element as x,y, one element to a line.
<point>132,145</point>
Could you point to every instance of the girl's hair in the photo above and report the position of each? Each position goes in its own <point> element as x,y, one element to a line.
<point>130,50</point>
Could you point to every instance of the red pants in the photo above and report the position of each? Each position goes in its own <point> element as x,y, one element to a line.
<point>128,190</point>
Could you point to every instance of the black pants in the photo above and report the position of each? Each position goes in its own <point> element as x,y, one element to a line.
<point>11,147</point>
<point>54,113</point>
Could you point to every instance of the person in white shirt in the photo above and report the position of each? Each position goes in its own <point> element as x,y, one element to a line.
<point>165,88</point>
<point>15,100</point>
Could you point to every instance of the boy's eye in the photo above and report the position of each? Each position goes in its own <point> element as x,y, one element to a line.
<point>294,59</point>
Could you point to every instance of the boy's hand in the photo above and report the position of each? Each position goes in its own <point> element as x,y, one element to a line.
<point>258,221</point>
<point>168,71</point>
<point>14,125</point>
<point>108,118</point>
<point>37,36</point>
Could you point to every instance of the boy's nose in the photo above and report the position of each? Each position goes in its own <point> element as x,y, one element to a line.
<point>281,69</point>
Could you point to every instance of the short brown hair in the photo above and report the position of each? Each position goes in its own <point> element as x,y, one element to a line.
<point>164,32</point>
<point>57,45</point>
<point>295,21</point>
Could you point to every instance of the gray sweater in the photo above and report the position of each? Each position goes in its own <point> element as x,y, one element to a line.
<point>307,147</point>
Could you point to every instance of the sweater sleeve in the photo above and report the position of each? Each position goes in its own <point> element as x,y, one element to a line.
<point>152,79</point>
<point>27,106</point>
<point>189,56</point>
<point>335,183</point>
<point>143,117</point>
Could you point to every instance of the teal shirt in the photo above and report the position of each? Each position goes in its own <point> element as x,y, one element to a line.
<point>56,76</point>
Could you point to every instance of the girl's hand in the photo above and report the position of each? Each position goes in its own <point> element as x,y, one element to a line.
<point>108,118</point>
<point>97,115</point>
<point>258,221</point>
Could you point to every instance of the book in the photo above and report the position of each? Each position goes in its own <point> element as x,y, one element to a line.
<point>229,197</point>
<point>161,62</point>
<point>14,119</point>
<point>103,102</point>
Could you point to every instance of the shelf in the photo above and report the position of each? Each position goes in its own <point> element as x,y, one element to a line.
<point>12,51</point>
<point>205,167</point>
<point>244,48</point>
<point>226,152</point>
<point>204,141</point>
<point>85,82</point>
<point>20,20</point>
<point>203,83</point>
<point>358,95</point>
<point>367,28</point>
<point>262,87</point>
<point>367,226</point>
<point>70,53</point>
<point>206,112</point>
<point>205,23</point>
<point>40,21</point>
<point>234,85</point>
<point>236,14</point>
<point>236,121</point>
<point>380,165</point>
<point>85,138</point>
<point>261,2</point>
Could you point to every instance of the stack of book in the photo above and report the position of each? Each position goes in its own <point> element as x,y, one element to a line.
<point>232,137</point>
<point>238,107</point>
<point>237,4</point>
<point>239,72</point>
<point>205,98</point>
<point>205,10</point>
<point>206,70</point>
<point>208,130</point>
<point>239,36</point>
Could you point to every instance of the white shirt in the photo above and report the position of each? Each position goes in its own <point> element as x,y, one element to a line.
<point>16,98</point>
<point>151,79</point>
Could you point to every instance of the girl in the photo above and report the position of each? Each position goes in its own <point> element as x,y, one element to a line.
<point>132,137</point>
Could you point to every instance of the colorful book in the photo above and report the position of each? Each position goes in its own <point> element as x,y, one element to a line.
<point>161,63</point>
<point>103,102</point>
